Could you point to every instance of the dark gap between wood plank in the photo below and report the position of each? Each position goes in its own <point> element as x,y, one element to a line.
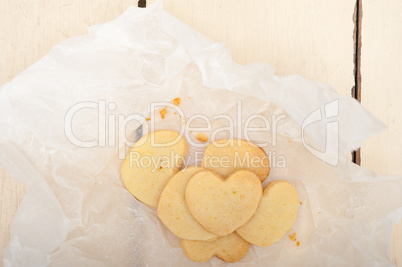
<point>356,90</point>
<point>142,3</point>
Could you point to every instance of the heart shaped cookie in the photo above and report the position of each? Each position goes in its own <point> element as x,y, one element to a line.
<point>222,206</point>
<point>228,155</point>
<point>230,248</point>
<point>150,163</point>
<point>274,217</point>
<point>173,210</point>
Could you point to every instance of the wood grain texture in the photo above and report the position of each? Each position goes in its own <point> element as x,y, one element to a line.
<point>381,92</point>
<point>28,29</point>
<point>311,38</point>
<point>396,244</point>
<point>381,69</point>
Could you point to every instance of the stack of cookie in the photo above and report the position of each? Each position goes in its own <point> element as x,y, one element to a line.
<point>217,209</point>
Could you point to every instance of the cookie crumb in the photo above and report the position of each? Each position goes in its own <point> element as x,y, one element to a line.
<point>176,101</point>
<point>298,243</point>
<point>163,112</point>
<point>148,119</point>
<point>289,141</point>
<point>292,237</point>
<point>202,137</point>
<point>301,203</point>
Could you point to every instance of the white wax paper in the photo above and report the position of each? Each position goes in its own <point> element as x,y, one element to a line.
<point>76,211</point>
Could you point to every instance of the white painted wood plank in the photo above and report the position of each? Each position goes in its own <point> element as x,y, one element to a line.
<point>381,69</point>
<point>29,29</point>
<point>311,38</point>
<point>381,92</point>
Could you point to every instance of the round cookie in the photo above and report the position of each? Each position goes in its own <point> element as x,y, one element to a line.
<point>230,248</point>
<point>221,206</point>
<point>173,210</point>
<point>228,155</point>
<point>275,215</point>
<point>150,163</point>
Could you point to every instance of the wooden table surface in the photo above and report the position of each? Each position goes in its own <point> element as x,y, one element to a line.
<point>356,47</point>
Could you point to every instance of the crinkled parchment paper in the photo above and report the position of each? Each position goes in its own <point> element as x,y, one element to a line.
<point>76,211</point>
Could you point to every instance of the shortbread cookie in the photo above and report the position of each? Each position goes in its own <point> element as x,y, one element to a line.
<point>150,163</point>
<point>275,215</point>
<point>222,206</point>
<point>230,248</point>
<point>173,210</point>
<point>226,156</point>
